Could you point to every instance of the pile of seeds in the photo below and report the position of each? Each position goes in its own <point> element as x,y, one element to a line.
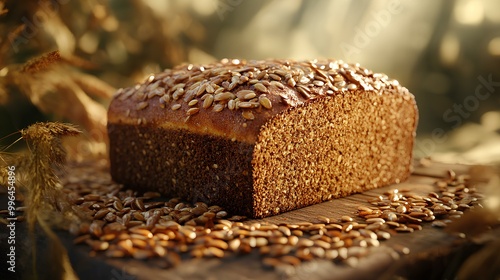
<point>402,211</point>
<point>125,224</point>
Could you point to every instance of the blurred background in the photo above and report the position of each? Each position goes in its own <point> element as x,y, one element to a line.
<point>447,53</point>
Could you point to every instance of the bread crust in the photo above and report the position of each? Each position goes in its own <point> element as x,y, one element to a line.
<point>340,78</point>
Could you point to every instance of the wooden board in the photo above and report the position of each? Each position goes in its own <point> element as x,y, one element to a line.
<point>439,252</point>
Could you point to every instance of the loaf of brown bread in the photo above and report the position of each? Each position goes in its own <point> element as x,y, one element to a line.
<point>262,137</point>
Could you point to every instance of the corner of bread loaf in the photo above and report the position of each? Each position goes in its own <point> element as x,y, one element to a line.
<point>332,147</point>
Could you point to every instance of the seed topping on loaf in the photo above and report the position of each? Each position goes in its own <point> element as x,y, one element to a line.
<point>245,86</point>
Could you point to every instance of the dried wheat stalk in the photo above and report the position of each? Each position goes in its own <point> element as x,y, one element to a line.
<point>46,155</point>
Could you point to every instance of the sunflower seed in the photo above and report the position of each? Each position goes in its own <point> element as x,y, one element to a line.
<point>248,115</point>
<point>141,105</point>
<point>265,102</point>
<point>207,102</point>
<point>192,111</point>
<point>218,107</point>
<point>223,96</point>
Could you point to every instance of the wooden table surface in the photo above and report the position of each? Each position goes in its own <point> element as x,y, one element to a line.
<point>434,254</point>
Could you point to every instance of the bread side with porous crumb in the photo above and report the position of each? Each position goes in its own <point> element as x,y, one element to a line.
<point>262,137</point>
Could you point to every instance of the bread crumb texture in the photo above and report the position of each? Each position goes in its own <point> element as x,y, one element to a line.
<point>331,148</point>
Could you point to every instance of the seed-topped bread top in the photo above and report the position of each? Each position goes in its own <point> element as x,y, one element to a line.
<point>234,98</point>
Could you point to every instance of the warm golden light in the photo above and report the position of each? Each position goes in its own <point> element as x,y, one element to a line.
<point>449,49</point>
<point>469,12</point>
<point>494,46</point>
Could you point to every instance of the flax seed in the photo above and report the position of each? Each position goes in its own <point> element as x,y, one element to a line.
<point>92,197</point>
<point>101,213</point>
<point>141,231</point>
<point>96,228</point>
